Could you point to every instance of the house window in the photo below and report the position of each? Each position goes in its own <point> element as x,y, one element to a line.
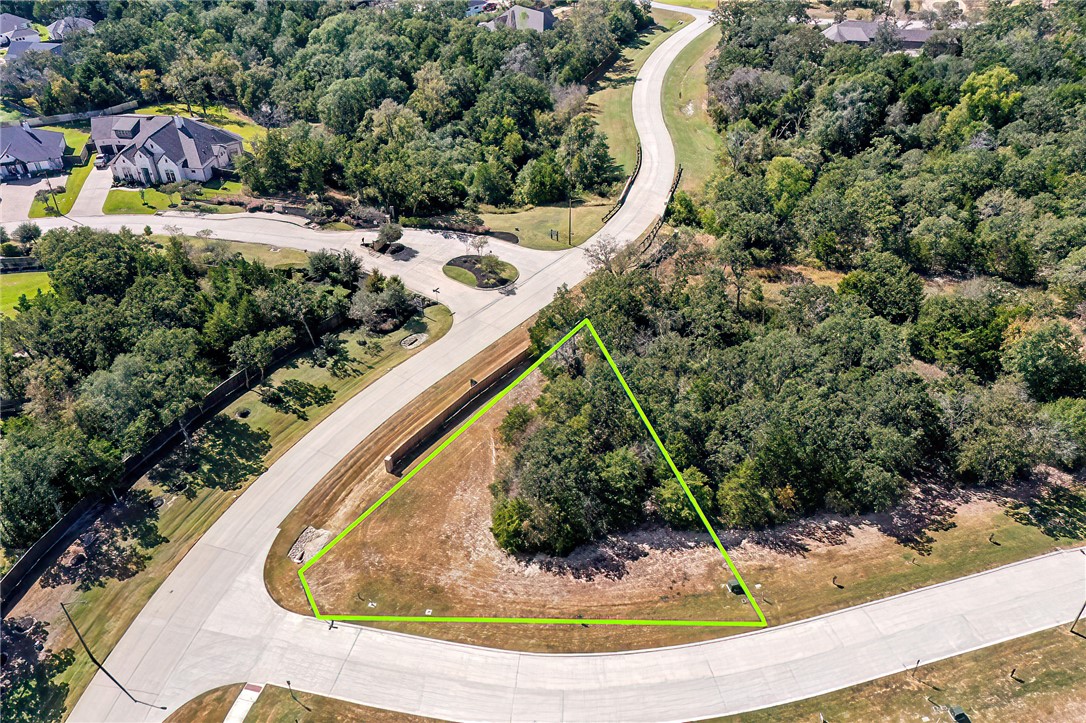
<point>170,177</point>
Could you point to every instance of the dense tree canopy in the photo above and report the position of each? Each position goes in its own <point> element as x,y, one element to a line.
<point>130,339</point>
<point>421,108</point>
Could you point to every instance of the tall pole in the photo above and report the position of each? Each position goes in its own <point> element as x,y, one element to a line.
<point>569,197</point>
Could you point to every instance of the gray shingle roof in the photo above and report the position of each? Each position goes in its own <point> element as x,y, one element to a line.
<point>31,145</point>
<point>522,18</point>
<point>62,27</point>
<point>9,22</point>
<point>185,141</point>
<point>19,47</point>
<point>864,31</point>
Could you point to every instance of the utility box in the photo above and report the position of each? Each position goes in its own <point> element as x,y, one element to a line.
<point>735,587</point>
<point>959,715</point>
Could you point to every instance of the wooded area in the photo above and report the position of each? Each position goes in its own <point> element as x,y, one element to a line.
<point>421,109</point>
<point>967,160</point>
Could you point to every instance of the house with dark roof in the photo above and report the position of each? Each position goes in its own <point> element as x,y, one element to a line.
<point>68,25</point>
<point>522,18</point>
<point>863,32</point>
<point>21,47</point>
<point>13,27</point>
<point>154,149</point>
<point>25,151</point>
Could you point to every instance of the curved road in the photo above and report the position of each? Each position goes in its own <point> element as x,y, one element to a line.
<point>213,623</point>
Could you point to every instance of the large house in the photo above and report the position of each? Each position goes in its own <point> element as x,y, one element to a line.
<point>68,25</point>
<point>863,32</point>
<point>13,27</point>
<point>154,149</point>
<point>25,151</point>
<point>19,47</point>
<point>522,18</point>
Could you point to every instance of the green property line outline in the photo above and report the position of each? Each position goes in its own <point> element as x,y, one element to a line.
<point>584,324</point>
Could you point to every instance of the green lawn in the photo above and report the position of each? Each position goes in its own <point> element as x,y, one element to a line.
<point>219,187</point>
<point>76,135</point>
<point>118,201</point>
<point>611,99</point>
<point>532,224</point>
<point>12,286</point>
<point>270,256</point>
<point>458,274</point>
<point>9,114</point>
<point>43,31</point>
<point>72,187</point>
<point>697,143</point>
<point>104,613</point>
<point>220,116</point>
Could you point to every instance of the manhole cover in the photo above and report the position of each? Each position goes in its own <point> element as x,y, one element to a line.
<point>414,340</point>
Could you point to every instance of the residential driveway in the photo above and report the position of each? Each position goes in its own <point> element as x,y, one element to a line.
<point>93,194</point>
<point>16,197</point>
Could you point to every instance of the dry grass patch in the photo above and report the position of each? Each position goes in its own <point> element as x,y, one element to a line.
<point>1051,666</point>
<point>209,707</point>
<point>277,705</point>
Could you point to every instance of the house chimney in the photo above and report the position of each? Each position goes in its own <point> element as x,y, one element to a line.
<point>179,122</point>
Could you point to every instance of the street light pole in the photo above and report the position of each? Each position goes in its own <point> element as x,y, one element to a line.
<point>99,665</point>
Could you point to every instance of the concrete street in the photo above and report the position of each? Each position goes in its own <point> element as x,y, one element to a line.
<point>212,622</point>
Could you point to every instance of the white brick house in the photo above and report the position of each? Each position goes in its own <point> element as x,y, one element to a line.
<point>152,150</point>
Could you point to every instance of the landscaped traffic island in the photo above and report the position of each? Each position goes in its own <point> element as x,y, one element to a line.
<point>481,272</point>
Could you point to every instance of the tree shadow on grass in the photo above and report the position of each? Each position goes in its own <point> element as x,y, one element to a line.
<point>1056,509</point>
<point>115,547</point>
<point>223,455</point>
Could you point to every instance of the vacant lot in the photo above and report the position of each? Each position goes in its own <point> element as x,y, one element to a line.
<point>429,551</point>
<point>429,547</point>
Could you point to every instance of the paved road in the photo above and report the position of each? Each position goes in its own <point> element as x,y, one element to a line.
<point>212,622</point>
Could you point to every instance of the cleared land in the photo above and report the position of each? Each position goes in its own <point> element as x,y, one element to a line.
<point>429,548</point>
<point>697,144</point>
<point>231,451</point>
<point>12,286</point>
<point>533,225</point>
<point>72,186</point>
<point>276,705</point>
<point>1051,686</point>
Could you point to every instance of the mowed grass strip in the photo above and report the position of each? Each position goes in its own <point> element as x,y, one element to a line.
<point>1051,666</point>
<point>279,705</point>
<point>12,286</point>
<point>65,201</point>
<point>697,144</point>
<point>209,707</point>
<point>611,98</point>
<point>104,613</point>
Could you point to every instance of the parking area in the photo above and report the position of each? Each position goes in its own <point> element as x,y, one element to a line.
<point>16,197</point>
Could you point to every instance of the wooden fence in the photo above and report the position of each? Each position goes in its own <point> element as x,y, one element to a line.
<point>625,189</point>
